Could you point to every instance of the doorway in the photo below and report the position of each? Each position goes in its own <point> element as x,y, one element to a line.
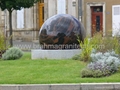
<point>96,19</point>
<point>41,13</point>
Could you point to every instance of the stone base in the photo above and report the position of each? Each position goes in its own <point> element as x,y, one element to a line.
<point>54,54</point>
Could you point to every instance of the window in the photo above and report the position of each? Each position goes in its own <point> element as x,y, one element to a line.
<point>98,9</point>
<point>20,18</point>
<point>61,6</point>
<point>116,10</point>
<point>115,20</point>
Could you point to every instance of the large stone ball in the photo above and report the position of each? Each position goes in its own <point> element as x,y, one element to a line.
<point>61,32</point>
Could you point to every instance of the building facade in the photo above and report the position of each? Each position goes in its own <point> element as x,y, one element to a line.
<point>96,15</point>
<point>24,23</point>
<point>27,22</point>
<point>2,21</point>
<point>101,15</point>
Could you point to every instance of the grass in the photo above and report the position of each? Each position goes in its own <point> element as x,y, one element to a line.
<point>27,71</point>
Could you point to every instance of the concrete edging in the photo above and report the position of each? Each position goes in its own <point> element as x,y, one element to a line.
<point>54,54</point>
<point>82,86</point>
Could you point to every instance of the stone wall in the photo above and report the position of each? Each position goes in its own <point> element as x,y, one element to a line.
<point>24,35</point>
<point>2,20</point>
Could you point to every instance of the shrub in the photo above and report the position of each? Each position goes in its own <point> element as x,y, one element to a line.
<point>86,72</point>
<point>76,57</point>
<point>117,45</point>
<point>103,52</point>
<point>90,73</point>
<point>100,44</point>
<point>118,50</point>
<point>103,63</point>
<point>96,41</point>
<point>86,48</point>
<point>110,43</point>
<point>12,54</point>
<point>97,73</point>
<point>106,43</point>
<point>2,44</point>
<point>104,68</point>
<point>103,56</point>
<point>2,41</point>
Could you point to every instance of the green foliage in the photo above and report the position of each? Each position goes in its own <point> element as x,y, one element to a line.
<point>104,44</point>
<point>2,42</point>
<point>76,57</point>
<point>92,73</point>
<point>86,73</point>
<point>11,5</point>
<point>86,48</point>
<point>103,64</point>
<point>98,73</point>
<point>116,45</point>
<point>110,43</point>
<point>12,54</point>
<point>117,50</point>
<point>108,59</point>
<point>105,60</point>
<point>96,41</point>
<point>89,44</point>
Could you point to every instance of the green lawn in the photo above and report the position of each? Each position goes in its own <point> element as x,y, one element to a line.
<point>27,71</point>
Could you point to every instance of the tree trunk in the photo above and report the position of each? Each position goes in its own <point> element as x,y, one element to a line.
<point>10,28</point>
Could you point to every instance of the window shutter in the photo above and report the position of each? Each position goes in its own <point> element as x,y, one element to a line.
<point>115,20</point>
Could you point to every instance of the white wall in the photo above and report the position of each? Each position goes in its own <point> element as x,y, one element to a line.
<point>29,18</point>
<point>51,8</point>
<point>62,6</point>
<point>72,10</point>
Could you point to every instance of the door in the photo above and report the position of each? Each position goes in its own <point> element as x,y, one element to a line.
<point>96,19</point>
<point>41,13</point>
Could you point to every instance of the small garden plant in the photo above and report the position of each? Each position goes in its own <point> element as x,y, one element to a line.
<point>12,54</point>
<point>104,64</point>
<point>86,48</point>
<point>102,53</point>
<point>2,43</point>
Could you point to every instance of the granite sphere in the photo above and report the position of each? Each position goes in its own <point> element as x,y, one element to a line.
<point>61,31</point>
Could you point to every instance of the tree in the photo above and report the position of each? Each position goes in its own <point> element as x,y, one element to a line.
<point>11,5</point>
